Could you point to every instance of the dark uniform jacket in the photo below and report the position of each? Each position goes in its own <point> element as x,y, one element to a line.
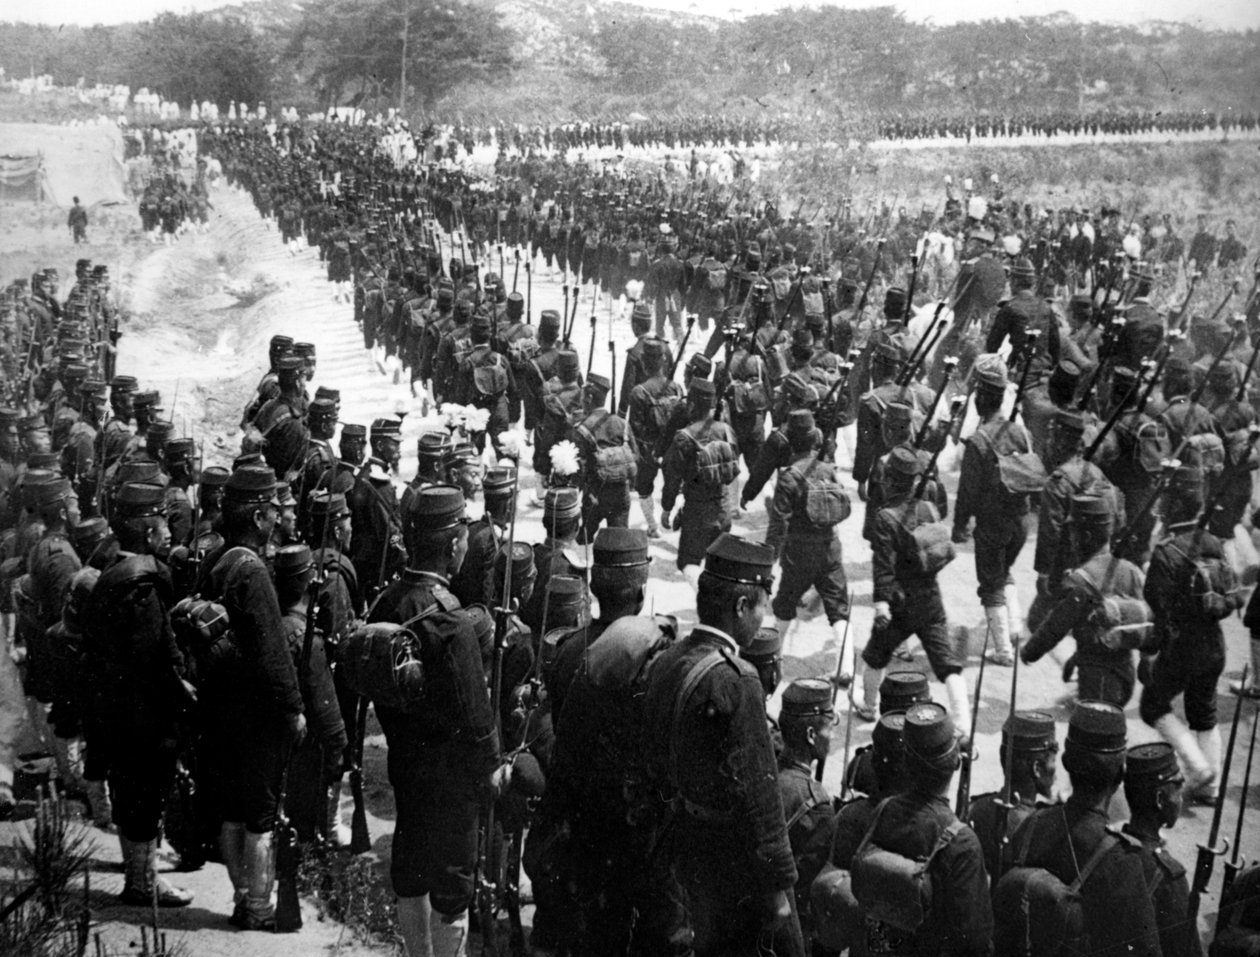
<point>811,822</point>
<point>717,762</point>
<point>1170,895</point>
<point>1119,916</point>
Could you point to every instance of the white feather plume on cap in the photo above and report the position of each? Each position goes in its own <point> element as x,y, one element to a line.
<point>564,458</point>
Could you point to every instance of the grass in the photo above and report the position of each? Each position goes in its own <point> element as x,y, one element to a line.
<point>351,890</point>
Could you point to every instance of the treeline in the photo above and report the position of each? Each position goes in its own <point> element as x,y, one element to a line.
<point>421,54</point>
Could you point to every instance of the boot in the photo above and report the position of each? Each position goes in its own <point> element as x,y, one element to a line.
<point>232,850</point>
<point>998,625</point>
<point>338,834</point>
<point>1210,745</point>
<point>959,703</point>
<point>783,626</point>
<point>260,878</point>
<point>692,574</point>
<point>450,935</point>
<point>1251,688</point>
<point>414,915</point>
<point>141,882</point>
<point>99,804</point>
<point>648,504</point>
<point>1199,773</point>
<point>845,650</point>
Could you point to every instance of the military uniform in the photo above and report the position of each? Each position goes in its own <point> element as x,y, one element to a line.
<point>711,752</point>
<point>651,407</point>
<point>376,548</point>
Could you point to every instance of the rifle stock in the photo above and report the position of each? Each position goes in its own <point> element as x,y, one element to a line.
<point>1235,863</point>
<point>360,837</point>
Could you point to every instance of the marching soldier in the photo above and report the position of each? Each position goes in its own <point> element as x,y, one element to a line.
<point>1074,843</point>
<point>711,754</point>
<point>561,399</point>
<point>999,504</point>
<point>886,361</point>
<point>1029,763</point>
<point>445,752</point>
<point>745,386</point>
<point>1152,789</point>
<point>775,452</point>
<point>1105,664</point>
<point>651,408</point>
<point>485,381</point>
<point>702,463</point>
<point>641,326</point>
<point>269,386</point>
<point>808,504</point>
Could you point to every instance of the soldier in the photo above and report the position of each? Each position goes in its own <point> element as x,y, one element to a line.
<point>316,762</point>
<point>541,368</point>
<point>1202,250</point>
<point>886,360</point>
<point>561,400</point>
<point>981,284</point>
<point>78,455</point>
<point>78,221</point>
<point>1105,664</point>
<point>1023,313</point>
<point>641,326</point>
<point>485,381</point>
<point>473,583</point>
<point>897,692</point>
<point>443,753</point>
<point>455,344</point>
<point>665,288</point>
<point>321,423</point>
<point>269,386</point>
<point>999,504</point>
<point>116,432</point>
<point>652,406</point>
<point>775,452</point>
<point>706,724</point>
<point>182,469</point>
<point>557,554</point>
<point>906,594</point>
<point>1029,763</point>
<point>1143,330</point>
<point>1074,843</point>
<point>702,463</point>
<point>377,550</point>
<point>252,702</point>
<point>745,387</point>
<point>609,460</point>
<point>1153,790</point>
<point>138,695</point>
<point>918,824</point>
<point>281,422</point>
<point>1070,475</point>
<point>1188,646</point>
<point>806,719</point>
<point>809,503</point>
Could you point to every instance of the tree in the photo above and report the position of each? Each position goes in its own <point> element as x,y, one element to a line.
<point>201,56</point>
<point>393,47</point>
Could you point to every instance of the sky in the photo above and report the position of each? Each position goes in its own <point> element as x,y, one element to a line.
<point>1227,14</point>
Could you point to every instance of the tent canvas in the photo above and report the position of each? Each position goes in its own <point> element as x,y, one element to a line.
<point>62,162</point>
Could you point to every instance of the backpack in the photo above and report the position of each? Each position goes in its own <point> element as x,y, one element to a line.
<point>1148,444</point>
<point>1043,916</point>
<point>381,661</point>
<point>614,463</point>
<point>1019,473</point>
<point>892,888</point>
<point>661,408</point>
<point>933,542</point>
<point>813,303</point>
<point>490,375</point>
<point>1123,623</point>
<point>717,462</point>
<point>715,278</point>
<point>1215,590</point>
<point>203,628</point>
<point>826,505</point>
<point>1207,451</point>
<point>635,256</point>
<point>748,396</point>
<point>781,283</point>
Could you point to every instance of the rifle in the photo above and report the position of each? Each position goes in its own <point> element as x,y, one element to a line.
<point>1106,352</point>
<point>516,270</point>
<point>1235,863</point>
<point>1209,852</point>
<point>1030,345</point>
<point>915,260</point>
<point>612,378</point>
<point>1251,367</point>
<point>836,682</point>
<point>529,291</point>
<point>1185,303</point>
<point>490,848</point>
<point>870,280</point>
<point>957,406</point>
<point>1121,408</point>
<point>360,837</point>
<point>590,353</point>
<point>963,799</point>
<point>951,363</point>
<point>922,348</point>
<point>1233,288</point>
<point>673,368</point>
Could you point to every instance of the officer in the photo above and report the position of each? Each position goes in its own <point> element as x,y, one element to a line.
<point>999,505</point>
<point>135,673</point>
<point>706,726</point>
<point>806,719</point>
<point>316,762</point>
<point>1188,646</point>
<point>1153,790</point>
<point>701,463</point>
<point>651,407</point>
<point>1029,783</point>
<point>445,751</point>
<point>809,503</point>
<point>919,824</point>
<point>1105,663</point>
<point>1067,838</point>
<point>252,702</point>
<point>906,594</point>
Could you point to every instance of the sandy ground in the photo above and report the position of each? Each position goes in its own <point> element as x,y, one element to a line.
<point>203,310</point>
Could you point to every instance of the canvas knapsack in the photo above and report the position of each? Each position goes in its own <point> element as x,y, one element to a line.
<point>894,889</point>
<point>715,278</point>
<point>489,374</point>
<point>717,462</point>
<point>824,503</point>
<point>1215,589</point>
<point>1042,916</point>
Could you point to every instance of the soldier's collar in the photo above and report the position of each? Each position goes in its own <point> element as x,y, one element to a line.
<point>710,634</point>
<point>416,576</point>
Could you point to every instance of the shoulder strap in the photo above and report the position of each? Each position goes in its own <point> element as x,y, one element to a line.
<point>707,663</point>
<point>1106,844</point>
<point>804,809</point>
